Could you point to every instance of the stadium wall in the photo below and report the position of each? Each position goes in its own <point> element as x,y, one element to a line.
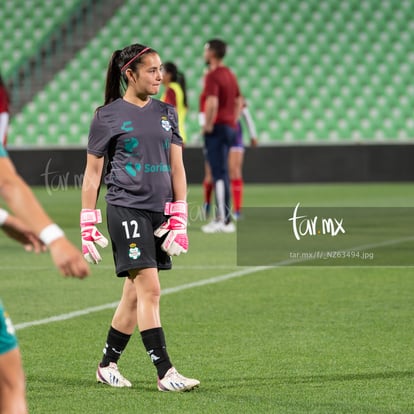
<point>60,168</point>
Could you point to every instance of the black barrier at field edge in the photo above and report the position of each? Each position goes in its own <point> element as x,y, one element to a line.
<point>271,164</point>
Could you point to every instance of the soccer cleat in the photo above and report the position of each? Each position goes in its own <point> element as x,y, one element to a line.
<point>173,381</point>
<point>229,228</point>
<point>110,375</point>
<point>218,227</point>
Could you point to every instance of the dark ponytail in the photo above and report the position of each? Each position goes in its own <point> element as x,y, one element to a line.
<point>177,76</point>
<point>121,60</point>
<point>113,79</point>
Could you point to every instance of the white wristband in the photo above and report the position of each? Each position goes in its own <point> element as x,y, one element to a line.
<point>3,216</point>
<point>51,233</point>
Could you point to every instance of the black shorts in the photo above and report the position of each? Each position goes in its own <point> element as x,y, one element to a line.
<point>134,245</point>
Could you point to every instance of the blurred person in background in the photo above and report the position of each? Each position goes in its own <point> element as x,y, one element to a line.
<point>33,228</point>
<point>4,112</point>
<point>221,105</point>
<point>175,94</point>
<point>236,159</point>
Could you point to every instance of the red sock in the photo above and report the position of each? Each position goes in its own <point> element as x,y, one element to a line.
<point>237,193</point>
<point>208,188</point>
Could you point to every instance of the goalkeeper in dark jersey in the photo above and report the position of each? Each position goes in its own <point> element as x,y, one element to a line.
<point>146,205</point>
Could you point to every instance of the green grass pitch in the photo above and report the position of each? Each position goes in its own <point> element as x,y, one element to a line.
<point>280,340</point>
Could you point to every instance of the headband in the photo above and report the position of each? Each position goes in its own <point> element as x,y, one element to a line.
<point>135,57</point>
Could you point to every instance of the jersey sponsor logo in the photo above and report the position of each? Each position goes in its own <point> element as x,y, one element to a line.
<point>165,123</point>
<point>132,169</point>
<point>126,126</point>
<point>134,251</point>
<point>130,144</point>
<point>157,168</point>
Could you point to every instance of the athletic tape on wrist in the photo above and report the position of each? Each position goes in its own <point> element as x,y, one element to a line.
<point>172,208</point>
<point>3,216</point>
<point>51,233</point>
<point>90,216</point>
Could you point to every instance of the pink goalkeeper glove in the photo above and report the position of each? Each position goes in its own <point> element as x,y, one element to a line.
<point>91,235</point>
<point>176,241</point>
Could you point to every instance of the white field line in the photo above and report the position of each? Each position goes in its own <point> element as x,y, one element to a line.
<point>167,291</point>
<point>202,282</point>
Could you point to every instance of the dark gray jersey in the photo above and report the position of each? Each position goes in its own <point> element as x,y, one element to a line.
<point>137,143</point>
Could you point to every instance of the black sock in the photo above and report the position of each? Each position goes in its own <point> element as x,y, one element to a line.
<point>154,342</point>
<point>116,342</point>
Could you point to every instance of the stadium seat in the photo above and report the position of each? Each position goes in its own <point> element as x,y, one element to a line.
<point>311,70</point>
<point>29,25</point>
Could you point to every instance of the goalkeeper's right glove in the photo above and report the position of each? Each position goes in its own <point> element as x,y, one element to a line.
<point>91,235</point>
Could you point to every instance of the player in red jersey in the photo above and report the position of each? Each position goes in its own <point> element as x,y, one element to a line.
<point>222,108</point>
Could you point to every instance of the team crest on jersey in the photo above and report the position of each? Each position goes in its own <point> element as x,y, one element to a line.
<point>165,123</point>
<point>134,251</point>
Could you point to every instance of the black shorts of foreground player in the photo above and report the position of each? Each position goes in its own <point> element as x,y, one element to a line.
<point>147,208</point>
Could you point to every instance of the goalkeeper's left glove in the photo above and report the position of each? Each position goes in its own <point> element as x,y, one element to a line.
<point>176,241</point>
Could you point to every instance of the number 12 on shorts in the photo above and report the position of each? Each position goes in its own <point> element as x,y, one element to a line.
<point>131,228</point>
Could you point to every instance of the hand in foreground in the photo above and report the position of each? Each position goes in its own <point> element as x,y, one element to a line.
<point>68,259</point>
<point>19,232</point>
